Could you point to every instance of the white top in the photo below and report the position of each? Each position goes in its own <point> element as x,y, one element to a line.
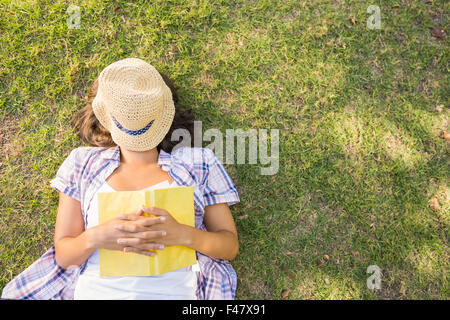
<point>175,285</point>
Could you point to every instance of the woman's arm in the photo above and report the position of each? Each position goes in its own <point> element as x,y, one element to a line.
<point>220,241</point>
<point>74,245</point>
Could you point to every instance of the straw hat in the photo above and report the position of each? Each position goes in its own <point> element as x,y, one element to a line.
<point>134,103</point>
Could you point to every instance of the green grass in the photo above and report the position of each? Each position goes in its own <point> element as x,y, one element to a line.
<point>360,153</point>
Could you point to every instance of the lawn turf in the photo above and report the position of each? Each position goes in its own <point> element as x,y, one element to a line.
<point>359,113</point>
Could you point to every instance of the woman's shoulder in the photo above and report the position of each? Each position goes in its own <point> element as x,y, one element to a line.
<point>83,151</point>
<point>200,163</point>
<point>85,154</point>
<point>209,173</point>
<point>193,156</point>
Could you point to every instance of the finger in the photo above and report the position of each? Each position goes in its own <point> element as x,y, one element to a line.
<point>148,246</point>
<point>151,235</point>
<point>140,211</point>
<point>151,221</point>
<point>140,237</point>
<point>155,211</point>
<point>136,244</point>
<point>145,236</point>
<point>139,251</point>
<point>126,227</point>
<point>131,217</point>
<point>130,241</point>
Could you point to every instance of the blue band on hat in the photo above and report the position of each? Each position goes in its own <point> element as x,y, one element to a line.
<point>132,132</point>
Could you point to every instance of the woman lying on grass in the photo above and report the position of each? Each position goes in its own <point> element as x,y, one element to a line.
<point>131,113</point>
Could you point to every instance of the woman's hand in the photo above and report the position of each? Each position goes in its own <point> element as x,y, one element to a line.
<point>108,234</point>
<point>168,232</point>
<point>220,241</point>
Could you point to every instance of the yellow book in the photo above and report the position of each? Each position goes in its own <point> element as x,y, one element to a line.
<point>178,201</point>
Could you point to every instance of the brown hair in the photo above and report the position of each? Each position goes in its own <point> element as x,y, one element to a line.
<point>91,131</point>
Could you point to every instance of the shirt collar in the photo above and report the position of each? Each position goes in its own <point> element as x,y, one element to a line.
<point>113,153</point>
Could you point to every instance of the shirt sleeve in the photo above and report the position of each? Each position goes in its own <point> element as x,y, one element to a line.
<point>218,186</point>
<point>68,176</point>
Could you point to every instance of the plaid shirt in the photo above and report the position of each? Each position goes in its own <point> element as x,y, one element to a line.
<point>81,175</point>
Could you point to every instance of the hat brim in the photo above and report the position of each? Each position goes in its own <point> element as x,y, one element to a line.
<point>143,142</point>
